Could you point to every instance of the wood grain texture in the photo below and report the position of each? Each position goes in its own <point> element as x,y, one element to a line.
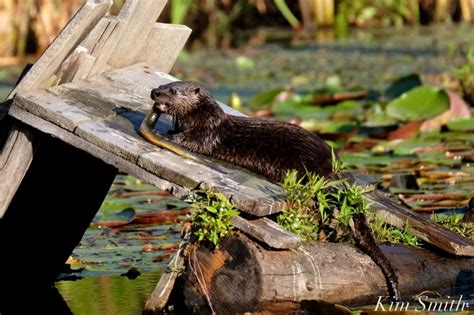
<point>16,154</point>
<point>268,232</point>
<point>121,164</point>
<point>163,45</point>
<point>242,276</point>
<point>140,17</point>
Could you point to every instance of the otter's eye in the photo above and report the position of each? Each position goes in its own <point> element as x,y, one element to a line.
<point>173,91</point>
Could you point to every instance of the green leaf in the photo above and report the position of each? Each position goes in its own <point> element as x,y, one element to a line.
<point>211,209</point>
<point>461,124</point>
<point>419,103</point>
<point>265,98</point>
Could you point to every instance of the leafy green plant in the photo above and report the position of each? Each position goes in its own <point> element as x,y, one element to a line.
<point>211,216</point>
<point>454,223</point>
<point>338,166</point>
<point>465,74</point>
<point>321,209</point>
<point>387,234</point>
<point>317,209</point>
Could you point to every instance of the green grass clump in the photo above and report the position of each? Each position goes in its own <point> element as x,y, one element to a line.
<point>322,209</point>
<point>211,216</point>
<point>387,234</point>
<point>454,223</point>
<point>318,208</point>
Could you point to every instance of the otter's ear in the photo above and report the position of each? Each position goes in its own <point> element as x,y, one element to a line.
<point>197,90</point>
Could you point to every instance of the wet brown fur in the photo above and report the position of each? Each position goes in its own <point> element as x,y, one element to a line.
<point>267,147</point>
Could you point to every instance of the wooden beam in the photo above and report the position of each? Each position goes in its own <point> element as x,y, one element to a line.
<point>268,232</point>
<point>75,141</point>
<point>140,17</point>
<point>16,154</point>
<point>163,45</point>
<point>106,111</point>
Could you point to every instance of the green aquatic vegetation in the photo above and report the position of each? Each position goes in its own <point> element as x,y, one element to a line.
<point>211,215</point>
<point>321,209</point>
<point>317,208</point>
<point>419,103</point>
<point>465,74</point>
<point>387,234</point>
<point>454,223</point>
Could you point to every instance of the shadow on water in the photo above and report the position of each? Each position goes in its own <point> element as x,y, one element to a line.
<point>108,294</point>
<point>29,299</point>
<point>113,295</point>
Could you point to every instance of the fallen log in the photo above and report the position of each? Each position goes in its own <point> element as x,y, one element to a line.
<point>242,276</point>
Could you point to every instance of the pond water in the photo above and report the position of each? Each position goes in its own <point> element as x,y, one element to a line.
<point>117,248</point>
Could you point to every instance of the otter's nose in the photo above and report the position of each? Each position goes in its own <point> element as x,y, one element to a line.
<point>155,93</point>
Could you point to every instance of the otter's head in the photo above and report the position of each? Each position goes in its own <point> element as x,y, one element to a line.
<point>179,98</point>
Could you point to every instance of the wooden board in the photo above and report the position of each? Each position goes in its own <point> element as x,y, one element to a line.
<point>72,139</point>
<point>268,232</point>
<point>163,45</point>
<point>16,154</point>
<point>36,77</point>
<point>140,17</point>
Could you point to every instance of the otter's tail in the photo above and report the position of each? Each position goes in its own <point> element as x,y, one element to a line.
<point>365,241</point>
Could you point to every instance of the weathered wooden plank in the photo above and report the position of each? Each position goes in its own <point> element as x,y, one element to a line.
<point>102,42</point>
<point>160,295</point>
<point>113,140</point>
<point>422,227</point>
<point>77,28</point>
<point>84,68</point>
<point>16,153</point>
<point>253,196</point>
<point>140,17</point>
<point>242,276</point>
<point>163,45</point>
<point>76,66</point>
<point>267,231</point>
<point>112,126</point>
<point>118,162</point>
<point>57,110</point>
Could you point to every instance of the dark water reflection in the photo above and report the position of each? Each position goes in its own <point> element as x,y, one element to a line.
<point>113,295</point>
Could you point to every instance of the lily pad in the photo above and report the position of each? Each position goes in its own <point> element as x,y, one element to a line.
<point>115,219</point>
<point>362,159</point>
<point>461,124</point>
<point>264,99</point>
<point>419,103</point>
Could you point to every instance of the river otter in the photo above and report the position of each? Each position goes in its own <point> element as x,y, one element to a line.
<point>267,147</point>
